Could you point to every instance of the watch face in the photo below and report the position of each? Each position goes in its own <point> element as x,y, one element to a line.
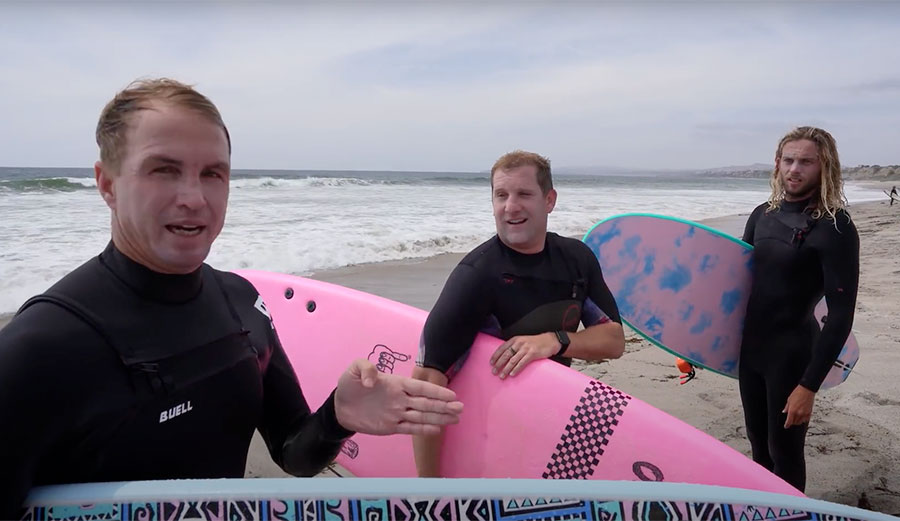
<point>563,338</point>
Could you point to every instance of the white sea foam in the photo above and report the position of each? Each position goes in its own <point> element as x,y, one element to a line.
<point>302,224</point>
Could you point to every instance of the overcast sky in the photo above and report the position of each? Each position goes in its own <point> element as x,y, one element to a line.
<point>439,86</point>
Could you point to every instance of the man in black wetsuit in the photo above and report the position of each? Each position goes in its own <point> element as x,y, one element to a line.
<point>525,285</point>
<point>146,363</point>
<point>805,245</point>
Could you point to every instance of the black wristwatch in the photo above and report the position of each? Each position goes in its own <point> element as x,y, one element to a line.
<point>563,338</point>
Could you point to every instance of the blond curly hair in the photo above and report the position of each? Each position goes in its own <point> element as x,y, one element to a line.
<point>831,188</point>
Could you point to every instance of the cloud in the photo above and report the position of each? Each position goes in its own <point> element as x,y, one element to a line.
<point>882,86</point>
<point>452,86</point>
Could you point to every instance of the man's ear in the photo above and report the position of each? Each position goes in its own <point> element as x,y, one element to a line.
<point>551,200</point>
<point>104,178</point>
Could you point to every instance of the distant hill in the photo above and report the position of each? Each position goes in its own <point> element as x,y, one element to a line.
<point>755,170</point>
<point>873,172</point>
<point>755,167</point>
<point>854,173</point>
<point>605,170</point>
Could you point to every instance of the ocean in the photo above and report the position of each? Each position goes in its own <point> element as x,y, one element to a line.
<point>298,222</point>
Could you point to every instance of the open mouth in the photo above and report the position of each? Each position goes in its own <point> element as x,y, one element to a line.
<point>184,230</point>
<point>516,221</point>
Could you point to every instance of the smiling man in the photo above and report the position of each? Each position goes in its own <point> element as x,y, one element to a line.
<point>145,362</point>
<point>525,285</point>
<point>805,245</point>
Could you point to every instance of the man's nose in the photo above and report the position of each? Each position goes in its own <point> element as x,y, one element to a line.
<point>190,192</point>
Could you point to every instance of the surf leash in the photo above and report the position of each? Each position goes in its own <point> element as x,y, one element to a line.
<point>687,370</point>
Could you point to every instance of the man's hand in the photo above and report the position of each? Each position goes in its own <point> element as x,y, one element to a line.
<point>513,355</point>
<point>372,402</point>
<point>799,406</point>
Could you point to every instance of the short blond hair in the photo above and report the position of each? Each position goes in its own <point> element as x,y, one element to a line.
<point>519,158</point>
<point>139,95</point>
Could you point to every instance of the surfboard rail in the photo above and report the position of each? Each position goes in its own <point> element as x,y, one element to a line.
<point>411,498</point>
<point>702,226</point>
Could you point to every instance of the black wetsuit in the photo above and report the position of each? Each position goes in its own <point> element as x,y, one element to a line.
<point>120,373</point>
<point>505,293</point>
<point>796,259</point>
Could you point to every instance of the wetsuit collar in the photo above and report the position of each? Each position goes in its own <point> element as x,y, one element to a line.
<point>796,206</point>
<point>526,259</point>
<point>171,289</point>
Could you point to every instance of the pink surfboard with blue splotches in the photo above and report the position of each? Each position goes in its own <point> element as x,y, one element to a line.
<point>684,287</point>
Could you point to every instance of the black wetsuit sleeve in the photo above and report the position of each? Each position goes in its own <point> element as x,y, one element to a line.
<point>37,393</point>
<point>599,295</point>
<point>750,227</point>
<point>300,443</point>
<point>459,313</point>
<point>19,445</point>
<point>839,256</point>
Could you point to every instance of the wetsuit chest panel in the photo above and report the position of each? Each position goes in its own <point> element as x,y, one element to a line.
<point>172,408</point>
<point>786,270</point>
<point>149,330</point>
<point>536,293</point>
<point>191,432</point>
<point>528,305</point>
<point>787,283</point>
<point>541,295</point>
<point>504,293</point>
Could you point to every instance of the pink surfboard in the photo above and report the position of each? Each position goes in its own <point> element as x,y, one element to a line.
<point>684,287</point>
<point>548,422</point>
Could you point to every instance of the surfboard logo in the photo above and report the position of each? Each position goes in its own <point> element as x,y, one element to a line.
<point>571,317</point>
<point>350,448</point>
<point>261,307</point>
<point>384,358</point>
<point>642,468</point>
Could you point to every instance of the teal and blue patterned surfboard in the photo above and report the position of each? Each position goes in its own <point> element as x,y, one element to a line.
<point>684,287</point>
<point>422,499</point>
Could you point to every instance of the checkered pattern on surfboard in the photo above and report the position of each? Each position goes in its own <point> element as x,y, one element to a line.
<point>589,429</point>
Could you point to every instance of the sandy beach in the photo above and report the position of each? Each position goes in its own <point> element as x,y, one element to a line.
<point>853,447</point>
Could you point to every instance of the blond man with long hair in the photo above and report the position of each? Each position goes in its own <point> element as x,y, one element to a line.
<point>805,246</point>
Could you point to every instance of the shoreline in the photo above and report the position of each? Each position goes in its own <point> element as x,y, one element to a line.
<point>425,270</point>
<point>418,281</point>
<point>726,223</point>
